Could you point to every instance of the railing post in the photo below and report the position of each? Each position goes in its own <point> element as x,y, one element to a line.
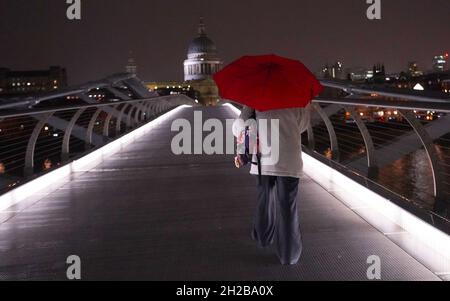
<point>372,166</point>
<point>137,116</point>
<point>29,154</point>
<point>311,140</point>
<point>144,115</point>
<point>430,149</point>
<point>68,133</point>
<point>149,109</point>
<point>90,128</point>
<point>130,115</point>
<point>331,132</point>
<point>144,111</point>
<point>119,118</point>
<point>108,120</point>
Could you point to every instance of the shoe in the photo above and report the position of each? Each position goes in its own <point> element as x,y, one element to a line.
<point>292,262</point>
<point>289,263</point>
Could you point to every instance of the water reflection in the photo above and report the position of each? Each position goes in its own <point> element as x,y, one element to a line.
<point>411,176</point>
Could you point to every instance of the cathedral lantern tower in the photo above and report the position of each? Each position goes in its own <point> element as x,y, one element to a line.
<point>202,61</point>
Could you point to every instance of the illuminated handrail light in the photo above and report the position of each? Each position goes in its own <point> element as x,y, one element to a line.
<point>54,179</point>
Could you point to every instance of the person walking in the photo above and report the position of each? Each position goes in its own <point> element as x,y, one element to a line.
<point>276,217</point>
<point>277,92</point>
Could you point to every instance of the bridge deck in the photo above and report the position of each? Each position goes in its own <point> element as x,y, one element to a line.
<point>145,213</point>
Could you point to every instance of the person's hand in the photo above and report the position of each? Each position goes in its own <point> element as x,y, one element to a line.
<point>237,162</point>
<point>241,138</point>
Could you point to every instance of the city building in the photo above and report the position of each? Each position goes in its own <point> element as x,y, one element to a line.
<point>413,70</point>
<point>201,64</point>
<point>357,74</point>
<point>378,74</point>
<point>440,62</point>
<point>131,66</point>
<point>334,71</point>
<point>438,81</point>
<point>19,83</point>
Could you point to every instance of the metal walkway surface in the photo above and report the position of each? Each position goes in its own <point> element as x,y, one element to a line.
<point>146,214</point>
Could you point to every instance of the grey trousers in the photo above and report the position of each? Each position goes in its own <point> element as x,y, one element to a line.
<point>277,218</point>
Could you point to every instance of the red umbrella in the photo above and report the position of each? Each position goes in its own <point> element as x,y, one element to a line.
<point>268,82</point>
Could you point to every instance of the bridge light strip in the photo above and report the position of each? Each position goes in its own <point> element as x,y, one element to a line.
<point>233,108</point>
<point>356,197</point>
<point>54,179</point>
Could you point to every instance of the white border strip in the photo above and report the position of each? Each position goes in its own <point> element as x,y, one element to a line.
<point>354,195</point>
<point>58,177</point>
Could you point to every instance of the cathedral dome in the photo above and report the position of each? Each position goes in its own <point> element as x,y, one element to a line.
<point>202,61</point>
<point>202,44</point>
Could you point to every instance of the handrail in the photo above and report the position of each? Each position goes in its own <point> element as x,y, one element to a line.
<point>85,106</point>
<point>388,92</point>
<point>375,102</point>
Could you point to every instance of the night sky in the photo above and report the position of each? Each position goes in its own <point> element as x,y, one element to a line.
<point>36,33</point>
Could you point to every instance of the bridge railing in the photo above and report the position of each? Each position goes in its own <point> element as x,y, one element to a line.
<point>37,137</point>
<point>396,146</point>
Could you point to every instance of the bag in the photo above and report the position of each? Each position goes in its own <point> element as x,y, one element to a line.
<point>243,159</point>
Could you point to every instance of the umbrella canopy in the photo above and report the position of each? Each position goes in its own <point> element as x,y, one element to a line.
<point>268,82</point>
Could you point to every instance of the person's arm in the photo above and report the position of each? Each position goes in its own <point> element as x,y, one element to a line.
<point>239,123</point>
<point>305,118</point>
